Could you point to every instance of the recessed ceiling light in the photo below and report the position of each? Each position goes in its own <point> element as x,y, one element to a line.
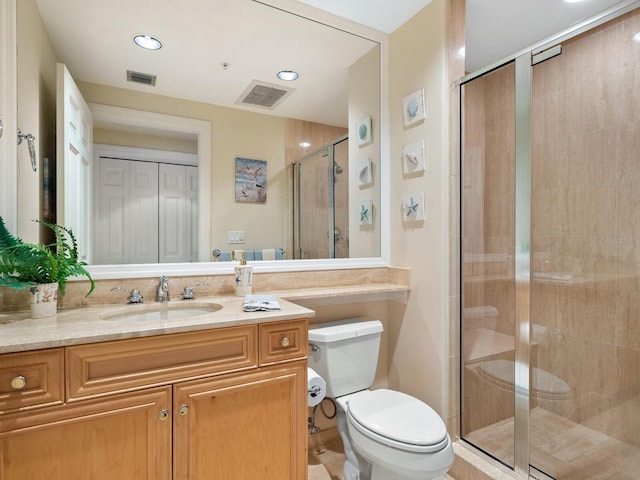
<point>573,1</point>
<point>148,42</point>
<point>287,75</point>
<point>305,144</point>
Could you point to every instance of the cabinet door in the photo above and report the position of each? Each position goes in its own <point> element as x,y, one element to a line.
<point>126,436</point>
<point>242,427</point>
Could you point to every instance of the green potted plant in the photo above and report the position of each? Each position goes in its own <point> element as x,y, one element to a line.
<point>43,269</point>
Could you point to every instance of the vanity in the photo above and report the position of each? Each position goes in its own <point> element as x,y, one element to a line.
<point>90,394</point>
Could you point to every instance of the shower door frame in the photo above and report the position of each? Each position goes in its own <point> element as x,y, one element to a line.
<point>524,63</point>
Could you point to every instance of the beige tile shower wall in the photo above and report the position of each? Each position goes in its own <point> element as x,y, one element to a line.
<point>586,227</point>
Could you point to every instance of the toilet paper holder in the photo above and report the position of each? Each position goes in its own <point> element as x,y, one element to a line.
<point>314,390</point>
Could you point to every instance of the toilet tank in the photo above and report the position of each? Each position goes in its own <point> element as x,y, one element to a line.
<point>346,356</point>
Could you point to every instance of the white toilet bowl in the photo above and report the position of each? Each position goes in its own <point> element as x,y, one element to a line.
<point>400,437</point>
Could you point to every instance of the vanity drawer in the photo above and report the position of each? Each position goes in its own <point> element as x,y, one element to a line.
<point>29,379</point>
<point>283,341</point>
<point>124,365</point>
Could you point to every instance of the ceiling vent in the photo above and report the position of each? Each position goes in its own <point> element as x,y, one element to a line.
<point>144,78</point>
<point>263,95</point>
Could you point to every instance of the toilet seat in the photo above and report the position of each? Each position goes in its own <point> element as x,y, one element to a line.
<point>398,420</point>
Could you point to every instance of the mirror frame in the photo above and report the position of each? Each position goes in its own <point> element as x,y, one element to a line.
<point>8,150</point>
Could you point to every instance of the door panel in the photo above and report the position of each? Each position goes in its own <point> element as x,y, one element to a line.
<point>74,150</point>
<point>243,428</point>
<point>119,438</point>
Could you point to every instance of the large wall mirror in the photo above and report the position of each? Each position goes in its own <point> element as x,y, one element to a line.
<point>213,81</point>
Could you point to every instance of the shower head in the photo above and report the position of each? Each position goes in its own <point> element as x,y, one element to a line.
<point>338,169</point>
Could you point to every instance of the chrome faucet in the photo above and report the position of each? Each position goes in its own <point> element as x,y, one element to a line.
<point>163,289</point>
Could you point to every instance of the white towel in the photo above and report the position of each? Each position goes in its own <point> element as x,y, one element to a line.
<point>257,303</point>
<point>268,254</point>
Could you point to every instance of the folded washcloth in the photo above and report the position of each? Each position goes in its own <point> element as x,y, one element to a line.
<point>225,256</point>
<point>257,254</point>
<point>257,303</point>
<point>249,255</point>
<point>279,253</point>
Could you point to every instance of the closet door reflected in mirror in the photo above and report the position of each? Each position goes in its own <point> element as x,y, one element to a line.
<point>144,212</point>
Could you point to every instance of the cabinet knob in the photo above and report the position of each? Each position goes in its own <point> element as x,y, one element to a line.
<point>18,383</point>
<point>183,410</point>
<point>285,342</point>
<point>163,414</point>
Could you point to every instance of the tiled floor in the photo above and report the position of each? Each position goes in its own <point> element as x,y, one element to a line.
<point>326,455</point>
<point>567,450</point>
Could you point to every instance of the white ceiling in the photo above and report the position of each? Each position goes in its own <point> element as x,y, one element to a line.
<point>383,15</point>
<point>94,39</point>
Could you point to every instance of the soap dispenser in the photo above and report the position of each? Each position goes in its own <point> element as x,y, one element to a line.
<point>244,274</point>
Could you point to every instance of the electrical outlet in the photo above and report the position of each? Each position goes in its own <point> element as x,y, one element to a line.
<point>235,236</point>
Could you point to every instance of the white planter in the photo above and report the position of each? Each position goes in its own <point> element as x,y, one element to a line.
<point>44,300</point>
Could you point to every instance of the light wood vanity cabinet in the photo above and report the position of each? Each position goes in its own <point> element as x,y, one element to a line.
<point>226,403</point>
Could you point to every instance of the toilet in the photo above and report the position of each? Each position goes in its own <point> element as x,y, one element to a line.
<point>387,435</point>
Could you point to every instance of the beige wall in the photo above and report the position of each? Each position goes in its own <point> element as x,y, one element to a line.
<point>110,136</point>
<point>418,332</point>
<point>364,102</point>
<point>36,112</point>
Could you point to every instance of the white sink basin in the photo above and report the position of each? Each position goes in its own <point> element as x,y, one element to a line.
<point>136,313</point>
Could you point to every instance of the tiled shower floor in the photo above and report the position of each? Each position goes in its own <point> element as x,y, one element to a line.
<point>571,450</point>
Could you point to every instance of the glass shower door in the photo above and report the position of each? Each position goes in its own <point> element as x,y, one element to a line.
<point>550,312</point>
<point>488,281</point>
<point>585,257</point>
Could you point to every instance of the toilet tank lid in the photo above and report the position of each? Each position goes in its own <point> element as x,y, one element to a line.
<point>342,329</point>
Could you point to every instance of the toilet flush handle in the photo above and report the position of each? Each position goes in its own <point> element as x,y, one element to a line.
<point>314,348</point>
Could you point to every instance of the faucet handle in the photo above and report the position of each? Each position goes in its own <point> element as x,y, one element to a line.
<point>187,293</point>
<point>134,294</point>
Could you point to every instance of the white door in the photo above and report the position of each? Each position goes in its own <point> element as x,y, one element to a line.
<point>111,219</point>
<point>143,212</point>
<point>126,212</point>
<point>74,147</point>
<point>173,214</point>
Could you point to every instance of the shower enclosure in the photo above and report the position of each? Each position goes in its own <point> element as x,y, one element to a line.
<point>550,255</point>
<point>320,202</point>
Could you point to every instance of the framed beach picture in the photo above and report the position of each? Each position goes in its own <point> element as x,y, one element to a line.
<point>413,110</point>
<point>413,207</point>
<point>365,173</point>
<point>363,132</point>
<point>413,157</point>
<point>251,180</point>
<point>365,212</point>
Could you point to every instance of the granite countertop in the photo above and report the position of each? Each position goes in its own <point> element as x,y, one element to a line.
<point>77,326</point>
